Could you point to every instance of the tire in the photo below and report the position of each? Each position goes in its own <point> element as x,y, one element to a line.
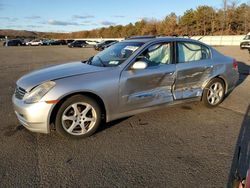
<point>213,93</point>
<point>72,116</point>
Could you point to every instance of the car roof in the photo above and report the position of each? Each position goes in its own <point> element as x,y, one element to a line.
<point>160,39</point>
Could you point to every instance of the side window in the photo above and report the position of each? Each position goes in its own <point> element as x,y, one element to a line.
<point>247,37</point>
<point>157,54</point>
<point>192,52</point>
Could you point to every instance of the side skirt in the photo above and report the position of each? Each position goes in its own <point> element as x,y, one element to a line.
<point>134,112</point>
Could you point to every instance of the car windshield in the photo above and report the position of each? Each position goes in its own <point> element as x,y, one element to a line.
<point>115,54</point>
<point>247,37</point>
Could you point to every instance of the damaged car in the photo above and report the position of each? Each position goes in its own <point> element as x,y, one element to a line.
<point>130,77</point>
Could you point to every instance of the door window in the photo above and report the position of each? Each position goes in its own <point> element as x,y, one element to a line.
<point>192,52</point>
<point>157,54</point>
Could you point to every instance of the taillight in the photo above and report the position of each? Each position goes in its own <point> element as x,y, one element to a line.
<point>235,65</point>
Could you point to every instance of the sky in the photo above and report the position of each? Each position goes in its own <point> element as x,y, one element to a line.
<point>78,15</point>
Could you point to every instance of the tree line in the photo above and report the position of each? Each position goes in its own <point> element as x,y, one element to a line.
<point>233,18</point>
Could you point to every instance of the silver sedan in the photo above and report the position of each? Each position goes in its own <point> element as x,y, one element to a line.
<point>130,77</point>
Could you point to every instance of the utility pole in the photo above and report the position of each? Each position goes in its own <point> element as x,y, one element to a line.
<point>245,20</point>
<point>212,23</point>
<point>225,14</point>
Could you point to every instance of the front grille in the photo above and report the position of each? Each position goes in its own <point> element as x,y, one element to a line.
<point>19,92</point>
<point>245,43</point>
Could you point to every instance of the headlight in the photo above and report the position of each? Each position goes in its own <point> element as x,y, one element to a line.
<point>38,92</point>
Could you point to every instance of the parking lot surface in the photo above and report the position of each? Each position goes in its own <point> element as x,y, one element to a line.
<point>182,146</point>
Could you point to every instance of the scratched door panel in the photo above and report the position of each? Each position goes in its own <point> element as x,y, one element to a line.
<point>191,77</point>
<point>193,68</point>
<point>148,87</point>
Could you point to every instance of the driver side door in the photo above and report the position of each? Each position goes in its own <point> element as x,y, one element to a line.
<point>142,88</point>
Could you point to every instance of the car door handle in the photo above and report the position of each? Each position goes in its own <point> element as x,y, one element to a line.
<point>170,73</point>
<point>211,66</point>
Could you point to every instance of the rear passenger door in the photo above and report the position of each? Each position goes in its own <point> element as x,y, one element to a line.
<point>193,67</point>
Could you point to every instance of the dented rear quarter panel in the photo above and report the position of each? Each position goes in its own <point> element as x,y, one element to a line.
<point>223,68</point>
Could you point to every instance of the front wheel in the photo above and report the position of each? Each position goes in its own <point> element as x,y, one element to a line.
<point>78,117</point>
<point>213,93</point>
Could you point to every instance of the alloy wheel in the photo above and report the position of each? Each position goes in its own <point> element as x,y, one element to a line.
<point>215,93</point>
<point>79,118</point>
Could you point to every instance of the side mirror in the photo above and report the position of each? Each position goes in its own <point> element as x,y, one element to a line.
<point>138,65</point>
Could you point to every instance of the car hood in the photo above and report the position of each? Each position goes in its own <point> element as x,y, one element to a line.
<point>37,77</point>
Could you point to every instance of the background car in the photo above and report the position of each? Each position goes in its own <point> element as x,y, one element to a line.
<point>46,42</point>
<point>100,45</point>
<point>77,43</point>
<point>93,43</point>
<point>69,41</point>
<point>58,42</point>
<point>245,44</point>
<point>13,42</point>
<point>35,42</point>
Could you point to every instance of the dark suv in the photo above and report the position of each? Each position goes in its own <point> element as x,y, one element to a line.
<point>77,43</point>
<point>58,42</point>
<point>101,46</point>
<point>14,42</point>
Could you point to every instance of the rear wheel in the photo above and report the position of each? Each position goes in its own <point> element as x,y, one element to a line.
<point>78,117</point>
<point>214,93</point>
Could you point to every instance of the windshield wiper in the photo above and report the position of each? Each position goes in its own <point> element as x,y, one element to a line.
<point>89,61</point>
<point>101,61</point>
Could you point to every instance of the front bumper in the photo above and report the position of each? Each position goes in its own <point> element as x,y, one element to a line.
<point>245,45</point>
<point>34,117</point>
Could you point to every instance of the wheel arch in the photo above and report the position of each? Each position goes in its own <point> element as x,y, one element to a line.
<point>221,78</point>
<point>224,81</point>
<point>84,93</point>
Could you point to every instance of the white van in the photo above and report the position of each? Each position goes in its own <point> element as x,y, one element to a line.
<point>245,43</point>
